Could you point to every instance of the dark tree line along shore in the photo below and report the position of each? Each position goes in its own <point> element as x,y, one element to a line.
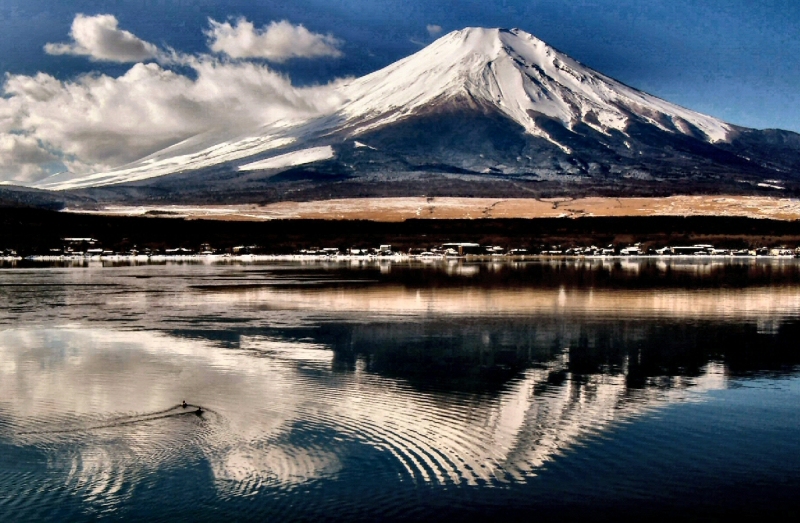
<point>34,230</point>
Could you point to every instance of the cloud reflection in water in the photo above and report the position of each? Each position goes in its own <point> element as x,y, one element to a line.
<point>311,376</point>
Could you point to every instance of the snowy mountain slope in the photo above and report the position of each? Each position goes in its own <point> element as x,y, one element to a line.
<point>474,105</point>
<point>170,161</point>
<point>520,75</point>
<point>292,159</point>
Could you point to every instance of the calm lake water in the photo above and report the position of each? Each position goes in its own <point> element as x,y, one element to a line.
<point>600,389</point>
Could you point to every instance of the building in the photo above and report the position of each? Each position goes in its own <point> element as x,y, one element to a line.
<point>462,249</point>
<point>690,250</point>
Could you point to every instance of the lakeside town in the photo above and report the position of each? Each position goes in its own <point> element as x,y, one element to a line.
<point>92,249</point>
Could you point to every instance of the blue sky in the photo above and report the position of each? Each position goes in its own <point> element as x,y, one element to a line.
<point>734,59</point>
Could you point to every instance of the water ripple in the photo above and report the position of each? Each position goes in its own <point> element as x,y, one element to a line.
<point>330,400</point>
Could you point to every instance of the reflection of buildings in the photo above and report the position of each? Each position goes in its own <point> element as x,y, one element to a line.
<point>396,302</point>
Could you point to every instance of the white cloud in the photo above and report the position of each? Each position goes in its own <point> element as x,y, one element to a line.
<point>433,29</point>
<point>99,38</point>
<point>98,122</point>
<point>277,42</point>
<point>23,157</point>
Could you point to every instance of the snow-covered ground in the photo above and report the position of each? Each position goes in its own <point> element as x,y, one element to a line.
<point>162,163</point>
<point>292,159</point>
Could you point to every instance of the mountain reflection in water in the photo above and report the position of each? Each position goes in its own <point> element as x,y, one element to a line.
<point>322,379</point>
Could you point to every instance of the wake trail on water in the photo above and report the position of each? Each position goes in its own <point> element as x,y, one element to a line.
<point>121,421</point>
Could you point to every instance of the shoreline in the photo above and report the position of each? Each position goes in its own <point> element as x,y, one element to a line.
<point>379,259</point>
<point>25,232</point>
<point>398,209</point>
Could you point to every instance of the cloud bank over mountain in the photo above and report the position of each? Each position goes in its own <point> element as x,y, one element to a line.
<point>24,156</point>
<point>97,122</point>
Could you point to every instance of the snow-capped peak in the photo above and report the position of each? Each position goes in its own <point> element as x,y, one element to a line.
<point>520,75</point>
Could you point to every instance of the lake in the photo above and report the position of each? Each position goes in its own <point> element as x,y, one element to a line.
<point>363,390</point>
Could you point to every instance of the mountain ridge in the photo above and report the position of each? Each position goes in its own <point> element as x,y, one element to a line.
<point>477,106</point>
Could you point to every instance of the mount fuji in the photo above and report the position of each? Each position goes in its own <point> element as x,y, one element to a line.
<point>479,112</point>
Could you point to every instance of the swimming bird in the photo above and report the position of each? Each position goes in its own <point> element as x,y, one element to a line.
<point>183,404</point>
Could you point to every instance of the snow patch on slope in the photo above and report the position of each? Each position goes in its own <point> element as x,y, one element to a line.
<point>304,156</point>
<point>163,164</point>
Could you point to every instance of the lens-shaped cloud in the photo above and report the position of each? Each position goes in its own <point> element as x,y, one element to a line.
<point>434,30</point>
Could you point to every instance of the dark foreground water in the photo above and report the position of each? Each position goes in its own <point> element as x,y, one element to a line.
<point>349,392</point>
